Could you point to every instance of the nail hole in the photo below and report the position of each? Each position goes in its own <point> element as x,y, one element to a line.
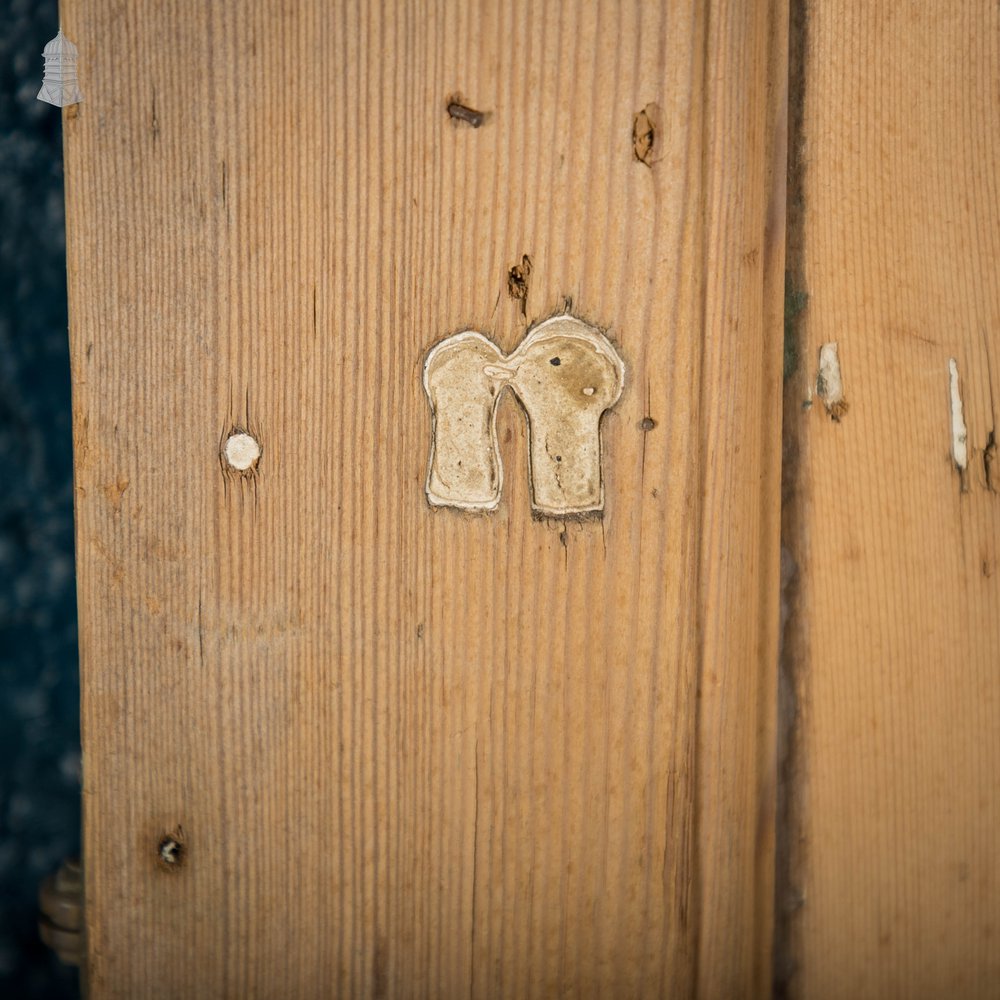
<point>517,280</point>
<point>556,362</point>
<point>647,424</point>
<point>170,851</point>
<point>646,134</point>
<point>241,451</point>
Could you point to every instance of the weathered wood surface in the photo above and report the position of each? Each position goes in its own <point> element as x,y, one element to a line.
<point>894,640</point>
<point>391,750</point>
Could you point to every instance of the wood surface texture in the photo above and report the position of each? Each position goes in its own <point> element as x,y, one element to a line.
<point>338,743</point>
<point>894,637</point>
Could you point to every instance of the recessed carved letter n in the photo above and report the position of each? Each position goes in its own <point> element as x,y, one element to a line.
<point>565,373</point>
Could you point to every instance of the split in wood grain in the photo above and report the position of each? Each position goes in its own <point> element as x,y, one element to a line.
<point>989,460</point>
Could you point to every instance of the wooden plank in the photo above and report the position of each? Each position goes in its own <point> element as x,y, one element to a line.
<point>894,639</point>
<point>338,742</point>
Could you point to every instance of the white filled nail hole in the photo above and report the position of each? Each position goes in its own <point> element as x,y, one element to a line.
<point>241,452</point>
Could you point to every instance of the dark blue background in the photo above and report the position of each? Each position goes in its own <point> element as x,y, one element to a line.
<point>39,690</point>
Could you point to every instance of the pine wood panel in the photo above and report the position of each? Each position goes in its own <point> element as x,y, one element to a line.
<point>895,623</point>
<point>339,743</point>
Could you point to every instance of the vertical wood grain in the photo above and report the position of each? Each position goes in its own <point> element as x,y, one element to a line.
<point>894,637</point>
<point>412,752</point>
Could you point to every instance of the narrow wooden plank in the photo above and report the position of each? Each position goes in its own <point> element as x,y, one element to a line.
<point>338,742</point>
<point>895,626</point>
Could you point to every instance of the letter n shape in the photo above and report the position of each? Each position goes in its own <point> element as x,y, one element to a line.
<point>566,375</point>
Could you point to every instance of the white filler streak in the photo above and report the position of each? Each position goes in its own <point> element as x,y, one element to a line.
<point>959,432</point>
